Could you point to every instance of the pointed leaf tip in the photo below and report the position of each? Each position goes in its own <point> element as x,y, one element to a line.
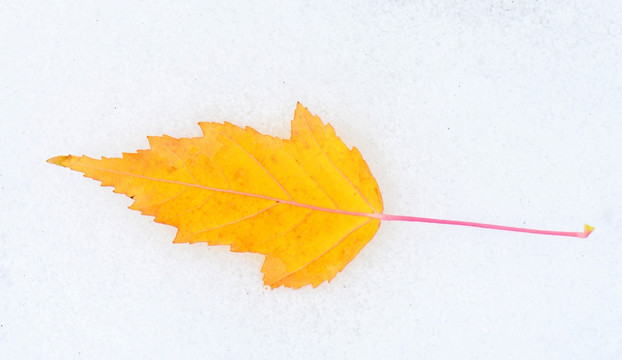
<point>59,160</point>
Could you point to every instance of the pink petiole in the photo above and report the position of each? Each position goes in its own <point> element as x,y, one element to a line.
<point>587,230</point>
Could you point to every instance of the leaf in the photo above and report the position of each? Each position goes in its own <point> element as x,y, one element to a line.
<point>307,203</point>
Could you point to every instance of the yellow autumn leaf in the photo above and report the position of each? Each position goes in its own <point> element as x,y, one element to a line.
<point>307,203</point>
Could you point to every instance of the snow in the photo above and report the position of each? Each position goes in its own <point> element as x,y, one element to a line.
<point>502,112</point>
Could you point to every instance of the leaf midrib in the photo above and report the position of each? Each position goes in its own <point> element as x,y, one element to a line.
<point>373,215</point>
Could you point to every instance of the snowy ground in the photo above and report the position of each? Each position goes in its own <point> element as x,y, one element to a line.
<point>505,113</point>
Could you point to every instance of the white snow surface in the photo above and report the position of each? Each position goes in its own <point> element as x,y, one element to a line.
<point>500,112</point>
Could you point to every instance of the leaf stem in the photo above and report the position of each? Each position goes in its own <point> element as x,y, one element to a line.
<point>587,230</point>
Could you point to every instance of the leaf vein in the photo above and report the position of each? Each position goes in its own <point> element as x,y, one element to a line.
<point>222,172</point>
<point>312,179</point>
<point>337,168</point>
<point>230,223</point>
<point>182,161</point>
<point>241,193</point>
<point>261,165</point>
<point>323,253</point>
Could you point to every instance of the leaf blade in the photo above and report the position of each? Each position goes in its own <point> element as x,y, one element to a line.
<point>308,203</point>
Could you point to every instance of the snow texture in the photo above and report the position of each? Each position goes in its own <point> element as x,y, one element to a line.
<point>500,112</point>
